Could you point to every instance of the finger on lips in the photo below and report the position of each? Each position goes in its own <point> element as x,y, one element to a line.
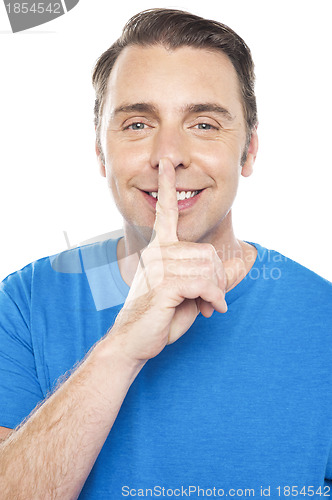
<point>167,212</point>
<point>165,235</point>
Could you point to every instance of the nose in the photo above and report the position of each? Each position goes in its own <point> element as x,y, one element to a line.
<point>170,142</point>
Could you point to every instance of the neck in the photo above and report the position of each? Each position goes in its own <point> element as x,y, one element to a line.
<point>222,238</point>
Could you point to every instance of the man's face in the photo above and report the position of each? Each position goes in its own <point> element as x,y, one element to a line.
<point>184,105</point>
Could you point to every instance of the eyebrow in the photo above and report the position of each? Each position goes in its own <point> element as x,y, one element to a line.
<point>138,107</point>
<point>209,107</point>
<point>146,107</point>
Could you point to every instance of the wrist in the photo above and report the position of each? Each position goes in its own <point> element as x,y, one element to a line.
<point>112,351</point>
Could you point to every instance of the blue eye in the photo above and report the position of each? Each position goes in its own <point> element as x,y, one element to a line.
<point>137,126</point>
<point>205,126</point>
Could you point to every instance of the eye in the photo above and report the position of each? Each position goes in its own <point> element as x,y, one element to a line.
<point>206,126</point>
<point>136,126</point>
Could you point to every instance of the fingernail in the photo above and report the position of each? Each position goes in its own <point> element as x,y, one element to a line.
<point>161,167</point>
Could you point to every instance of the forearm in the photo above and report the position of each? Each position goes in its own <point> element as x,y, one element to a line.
<point>52,453</point>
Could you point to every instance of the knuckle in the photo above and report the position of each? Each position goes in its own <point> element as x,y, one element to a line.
<point>209,250</point>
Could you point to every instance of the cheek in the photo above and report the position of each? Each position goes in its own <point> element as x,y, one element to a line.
<point>113,178</point>
<point>120,171</point>
<point>220,162</point>
<point>115,164</point>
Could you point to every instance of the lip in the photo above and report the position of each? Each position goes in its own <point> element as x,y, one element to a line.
<point>178,189</point>
<point>182,204</point>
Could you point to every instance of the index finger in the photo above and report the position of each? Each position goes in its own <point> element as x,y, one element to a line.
<point>167,212</point>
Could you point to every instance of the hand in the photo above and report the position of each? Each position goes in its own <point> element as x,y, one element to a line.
<point>174,281</point>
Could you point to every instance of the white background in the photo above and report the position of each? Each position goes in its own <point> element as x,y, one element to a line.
<point>48,173</point>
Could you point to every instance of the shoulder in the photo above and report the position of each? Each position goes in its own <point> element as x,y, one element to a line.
<point>291,269</point>
<point>62,275</point>
<point>70,261</point>
<point>66,262</point>
<point>276,272</point>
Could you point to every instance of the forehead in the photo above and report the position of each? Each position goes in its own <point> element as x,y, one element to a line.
<point>172,77</point>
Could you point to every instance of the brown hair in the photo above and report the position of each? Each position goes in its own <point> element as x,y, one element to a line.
<point>173,29</point>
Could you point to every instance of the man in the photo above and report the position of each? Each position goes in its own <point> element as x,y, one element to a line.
<point>185,390</point>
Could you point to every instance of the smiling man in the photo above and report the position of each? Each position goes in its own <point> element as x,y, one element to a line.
<point>185,105</point>
<point>204,360</point>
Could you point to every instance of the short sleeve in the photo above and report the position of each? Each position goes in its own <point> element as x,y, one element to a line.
<point>20,391</point>
<point>328,472</point>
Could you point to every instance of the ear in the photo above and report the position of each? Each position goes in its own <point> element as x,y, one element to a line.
<point>247,168</point>
<point>100,160</point>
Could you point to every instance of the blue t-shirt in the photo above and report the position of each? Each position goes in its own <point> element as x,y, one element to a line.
<point>243,401</point>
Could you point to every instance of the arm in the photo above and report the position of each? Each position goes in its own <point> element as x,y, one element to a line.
<point>52,453</point>
<point>4,432</point>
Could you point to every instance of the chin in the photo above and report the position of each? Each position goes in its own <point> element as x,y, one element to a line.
<point>139,233</point>
<point>187,234</point>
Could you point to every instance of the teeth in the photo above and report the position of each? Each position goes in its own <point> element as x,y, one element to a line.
<point>181,195</point>
<point>185,194</point>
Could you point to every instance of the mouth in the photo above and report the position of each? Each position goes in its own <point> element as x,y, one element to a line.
<point>181,195</point>
<point>186,199</point>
